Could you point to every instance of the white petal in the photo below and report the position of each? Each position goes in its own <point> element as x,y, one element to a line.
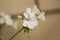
<point>8,20</point>
<point>26,15</point>
<point>32,16</point>
<point>42,16</point>
<point>28,10</point>
<point>35,10</point>
<point>32,24</point>
<point>25,23</point>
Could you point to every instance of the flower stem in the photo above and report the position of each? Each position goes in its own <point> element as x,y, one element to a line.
<point>16,34</point>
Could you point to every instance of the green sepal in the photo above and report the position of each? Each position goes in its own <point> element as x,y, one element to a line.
<point>26,30</point>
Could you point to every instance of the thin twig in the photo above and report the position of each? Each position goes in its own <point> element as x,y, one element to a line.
<point>37,3</point>
<point>16,34</point>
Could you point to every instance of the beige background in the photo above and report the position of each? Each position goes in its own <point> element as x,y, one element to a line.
<point>48,30</point>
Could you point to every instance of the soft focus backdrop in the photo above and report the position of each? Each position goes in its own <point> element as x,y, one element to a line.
<point>48,30</point>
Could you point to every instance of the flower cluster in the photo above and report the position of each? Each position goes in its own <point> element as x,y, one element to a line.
<point>32,17</point>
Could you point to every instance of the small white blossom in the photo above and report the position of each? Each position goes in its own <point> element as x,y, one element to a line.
<point>32,15</point>
<point>26,15</point>
<point>35,9</point>
<point>42,16</point>
<point>28,10</point>
<point>5,18</point>
<point>8,20</point>
<point>25,23</point>
<point>29,14</point>
<point>31,24</point>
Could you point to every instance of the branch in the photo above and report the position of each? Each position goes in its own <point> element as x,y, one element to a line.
<point>16,34</point>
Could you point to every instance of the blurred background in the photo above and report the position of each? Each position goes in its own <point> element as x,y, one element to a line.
<point>48,30</point>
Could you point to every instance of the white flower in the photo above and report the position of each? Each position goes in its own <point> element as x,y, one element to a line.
<point>8,20</point>
<point>35,9</point>
<point>32,15</point>
<point>28,10</point>
<point>27,13</point>
<point>5,18</point>
<point>42,16</point>
<point>32,19</point>
<point>25,23</point>
<point>31,24</point>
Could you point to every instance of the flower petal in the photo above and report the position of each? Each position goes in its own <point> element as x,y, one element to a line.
<point>8,19</point>
<point>25,23</point>
<point>35,10</point>
<point>32,24</point>
<point>26,15</point>
<point>41,16</point>
<point>28,10</point>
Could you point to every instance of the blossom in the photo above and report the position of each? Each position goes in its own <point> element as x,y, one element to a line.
<point>5,18</point>
<point>32,15</point>
<point>42,16</point>
<point>35,10</point>
<point>27,13</point>
<point>30,24</point>
<point>32,20</point>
